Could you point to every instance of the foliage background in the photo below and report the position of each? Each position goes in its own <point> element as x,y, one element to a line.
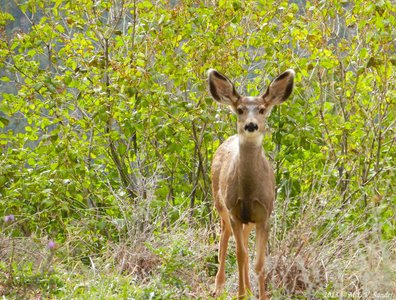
<point>107,133</point>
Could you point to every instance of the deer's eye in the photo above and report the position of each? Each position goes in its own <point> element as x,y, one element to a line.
<point>240,111</point>
<point>261,111</point>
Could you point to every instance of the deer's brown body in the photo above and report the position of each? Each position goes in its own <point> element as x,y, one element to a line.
<point>243,182</point>
<point>250,199</point>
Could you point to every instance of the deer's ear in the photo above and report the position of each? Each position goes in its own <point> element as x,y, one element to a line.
<point>280,88</point>
<point>221,88</point>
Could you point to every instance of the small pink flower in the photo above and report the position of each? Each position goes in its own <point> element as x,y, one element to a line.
<point>9,218</point>
<point>51,245</point>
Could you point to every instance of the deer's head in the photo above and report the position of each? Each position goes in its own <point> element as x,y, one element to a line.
<point>251,111</point>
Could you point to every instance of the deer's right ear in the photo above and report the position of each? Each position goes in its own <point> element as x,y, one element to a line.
<point>280,88</point>
<point>221,88</point>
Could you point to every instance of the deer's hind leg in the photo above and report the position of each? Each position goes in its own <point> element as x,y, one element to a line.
<point>223,245</point>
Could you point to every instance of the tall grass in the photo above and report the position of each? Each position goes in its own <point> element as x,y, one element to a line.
<point>180,263</point>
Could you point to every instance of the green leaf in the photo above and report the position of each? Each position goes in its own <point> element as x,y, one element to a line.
<point>4,122</point>
<point>31,161</point>
<point>122,149</point>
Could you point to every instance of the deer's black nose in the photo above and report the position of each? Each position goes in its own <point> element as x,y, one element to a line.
<point>251,127</point>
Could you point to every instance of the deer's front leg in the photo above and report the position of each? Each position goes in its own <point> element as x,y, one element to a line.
<point>261,240</point>
<point>247,228</point>
<point>241,252</point>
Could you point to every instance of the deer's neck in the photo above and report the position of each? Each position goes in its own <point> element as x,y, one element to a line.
<point>250,164</point>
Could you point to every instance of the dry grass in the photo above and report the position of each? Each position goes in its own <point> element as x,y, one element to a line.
<point>356,266</point>
<point>352,265</point>
<point>180,261</point>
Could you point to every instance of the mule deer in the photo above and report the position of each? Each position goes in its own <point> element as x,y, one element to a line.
<point>243,181</point>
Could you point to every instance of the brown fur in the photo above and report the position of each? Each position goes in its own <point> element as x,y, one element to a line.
<point>243,182</point>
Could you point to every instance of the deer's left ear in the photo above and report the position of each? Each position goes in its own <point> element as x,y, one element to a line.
<point>222,89</point>
<point>280,88</point>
